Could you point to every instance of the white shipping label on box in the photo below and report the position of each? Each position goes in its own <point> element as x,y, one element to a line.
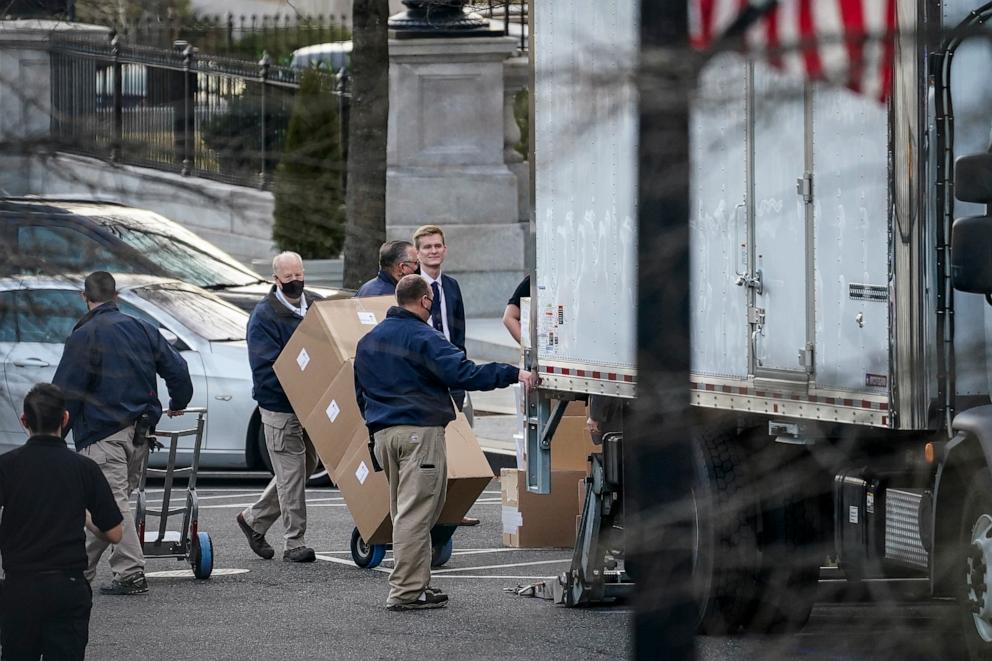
<point>362,473</point>
<point>512,519</point>
<point>333,410</point>
<point>367,318</point>
<point>303,359</point>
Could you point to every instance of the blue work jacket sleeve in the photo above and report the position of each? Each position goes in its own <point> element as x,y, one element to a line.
<point>75,372</point>
<point>172,367</point>
<point>453,369</point>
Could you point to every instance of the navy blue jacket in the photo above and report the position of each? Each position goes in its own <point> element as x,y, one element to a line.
<point>269,328</point>
<point>404,370</point>
<point>107,373</point>
<point>381,285</point>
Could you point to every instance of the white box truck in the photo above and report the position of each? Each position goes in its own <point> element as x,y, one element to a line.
<point>841,384</point>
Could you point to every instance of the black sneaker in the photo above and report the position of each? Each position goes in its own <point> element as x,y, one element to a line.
<point>256,540</point>
<point>133,584</point>
<point>427,599</point>
<point>299,554</point>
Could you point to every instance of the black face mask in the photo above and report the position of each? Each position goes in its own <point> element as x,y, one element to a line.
<point>292,289</point>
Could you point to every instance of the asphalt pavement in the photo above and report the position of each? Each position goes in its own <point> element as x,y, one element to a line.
<point>258,609</point>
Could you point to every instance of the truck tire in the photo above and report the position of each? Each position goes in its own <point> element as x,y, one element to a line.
<point>789,565</point>
<point>725,551</point>
<point>974,567</point>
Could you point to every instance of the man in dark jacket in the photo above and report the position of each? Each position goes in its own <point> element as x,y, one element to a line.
<point>293,456</point>
<point>404,370</point>
<point>107,373</point>
<point>396,259</point>
<point>48,494</point>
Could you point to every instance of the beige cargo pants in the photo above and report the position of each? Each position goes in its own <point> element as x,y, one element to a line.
<point>415,461</point>
<point>294,459</point>
<point>121,463</point>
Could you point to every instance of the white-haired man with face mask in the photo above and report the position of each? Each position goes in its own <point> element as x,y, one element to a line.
<point>293,456</point>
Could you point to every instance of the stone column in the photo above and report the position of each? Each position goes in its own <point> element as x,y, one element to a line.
<point>26,88</point>
<point>446,162</point>
<point>516,78</point>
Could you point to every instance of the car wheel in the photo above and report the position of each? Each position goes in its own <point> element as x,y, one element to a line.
<point>263,449</point>
<point>320,478</point>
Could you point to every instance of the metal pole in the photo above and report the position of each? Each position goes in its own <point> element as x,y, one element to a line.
<point>659,461</point>
<point>187,110</point>
<point>263,74</point>
<point>118,100</point>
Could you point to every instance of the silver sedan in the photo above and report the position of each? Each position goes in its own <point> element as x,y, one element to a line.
<point>37,314</point>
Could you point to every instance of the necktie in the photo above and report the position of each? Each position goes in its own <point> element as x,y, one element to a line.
<point>436,308</point>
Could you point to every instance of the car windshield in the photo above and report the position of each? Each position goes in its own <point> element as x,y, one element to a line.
<point>201,312</point>
<point>182,255</point>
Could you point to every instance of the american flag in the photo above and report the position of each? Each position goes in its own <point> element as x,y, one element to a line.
<point>847,42</point>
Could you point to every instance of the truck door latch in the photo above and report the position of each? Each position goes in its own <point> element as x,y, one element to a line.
<point>804,187</point>
<point>749,281</point>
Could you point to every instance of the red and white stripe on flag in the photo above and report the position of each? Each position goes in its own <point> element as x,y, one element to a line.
<point>846,42</point>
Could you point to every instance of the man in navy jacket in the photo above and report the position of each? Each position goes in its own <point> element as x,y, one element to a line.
<point>293,456</point>
<point>396,259</point>
<point>404,370</point>
<point>107,373</point>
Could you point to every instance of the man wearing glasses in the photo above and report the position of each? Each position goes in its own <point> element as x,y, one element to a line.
<point>396,259</point>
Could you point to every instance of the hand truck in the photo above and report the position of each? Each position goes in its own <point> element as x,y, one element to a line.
<point>189,543</point>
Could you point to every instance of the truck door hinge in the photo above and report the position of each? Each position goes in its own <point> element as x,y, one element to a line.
<point>806,358</point>
<point>804,187</point>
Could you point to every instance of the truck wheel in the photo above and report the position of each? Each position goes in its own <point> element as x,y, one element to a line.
<point>725,551</point>
<point>789,569</point>
<point>974,568</point>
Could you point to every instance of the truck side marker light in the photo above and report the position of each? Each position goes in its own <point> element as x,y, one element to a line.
<point>929,453</point>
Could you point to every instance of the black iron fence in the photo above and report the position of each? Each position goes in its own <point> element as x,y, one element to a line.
<point>240,36</point>
<point>177,109</point>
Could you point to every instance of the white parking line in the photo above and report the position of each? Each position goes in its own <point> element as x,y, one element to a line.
<point>348,563</point>
<point>437,572</point>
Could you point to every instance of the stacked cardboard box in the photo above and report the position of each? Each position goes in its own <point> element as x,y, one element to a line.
<point>534,521</point>
<point>316,370</point>
<point>539,521</point>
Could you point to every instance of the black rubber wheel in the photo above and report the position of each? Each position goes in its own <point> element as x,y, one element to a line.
<point>972,567</point>
<point>725,549</point>
<point>320,477</point>
<point>789,566</point>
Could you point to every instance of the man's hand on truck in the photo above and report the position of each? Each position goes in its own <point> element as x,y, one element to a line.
<point>172,414</point>
<point>529,379</point>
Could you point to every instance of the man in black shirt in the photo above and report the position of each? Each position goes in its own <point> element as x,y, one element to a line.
<point>49,493</point>
<point>511,315</point>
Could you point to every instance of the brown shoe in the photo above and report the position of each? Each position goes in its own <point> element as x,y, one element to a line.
<point>256,540</point>
<point>468,521</point>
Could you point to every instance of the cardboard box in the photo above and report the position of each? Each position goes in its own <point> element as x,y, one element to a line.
<point>367,493</point>
<point>572,445</point>
<point>326,338</point>
<point>335,419</point>
<point>539,521</point>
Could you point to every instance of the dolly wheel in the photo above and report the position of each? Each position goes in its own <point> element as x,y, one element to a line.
<point>202,556</point>
<point>366,556</point>
<point>441,554</point>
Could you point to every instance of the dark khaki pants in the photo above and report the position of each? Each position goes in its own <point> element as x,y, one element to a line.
<point>121,463</point>
<point>416,465</point>
<point>294,460</point>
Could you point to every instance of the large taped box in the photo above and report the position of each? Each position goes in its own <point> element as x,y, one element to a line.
<point>334,421</point>
<point>326,338</point>
<point>539,521</point>
<point>572,444</point>
<point>367,493</point>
